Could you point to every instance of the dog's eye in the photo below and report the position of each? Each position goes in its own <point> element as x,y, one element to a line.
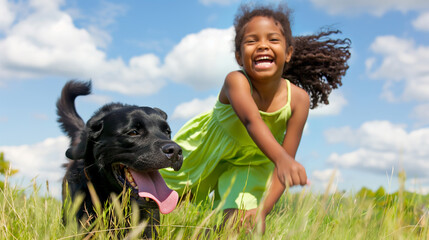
<point>133,133</point>
<point>167,131</point>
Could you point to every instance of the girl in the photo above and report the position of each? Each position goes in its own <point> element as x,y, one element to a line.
<point>255,127</point>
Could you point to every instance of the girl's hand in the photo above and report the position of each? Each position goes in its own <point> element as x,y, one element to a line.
<point>291,172</point>
<point>253,220</point>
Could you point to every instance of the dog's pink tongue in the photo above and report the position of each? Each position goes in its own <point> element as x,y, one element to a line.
<point>153,186</point>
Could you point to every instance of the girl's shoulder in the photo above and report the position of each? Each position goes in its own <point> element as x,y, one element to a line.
<point>235,75</point>
<point>234,81</point>
<point>299,97</point>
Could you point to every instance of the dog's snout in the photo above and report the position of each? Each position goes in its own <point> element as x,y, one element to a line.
<point>174,153</point>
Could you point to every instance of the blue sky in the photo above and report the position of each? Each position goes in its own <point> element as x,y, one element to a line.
<point>175,54</point>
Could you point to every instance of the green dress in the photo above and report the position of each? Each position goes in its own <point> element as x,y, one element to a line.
<point>220,156</point>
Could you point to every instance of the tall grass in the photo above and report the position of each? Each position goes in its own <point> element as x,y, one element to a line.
<point>302,215</point>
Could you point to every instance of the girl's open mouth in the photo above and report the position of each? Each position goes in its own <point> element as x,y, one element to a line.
<point>263,62</point>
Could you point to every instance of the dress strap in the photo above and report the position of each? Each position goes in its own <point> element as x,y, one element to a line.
<point>288,91</point>
<point>248,79</point>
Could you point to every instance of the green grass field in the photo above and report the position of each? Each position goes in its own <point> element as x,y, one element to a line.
<point>303,215</point>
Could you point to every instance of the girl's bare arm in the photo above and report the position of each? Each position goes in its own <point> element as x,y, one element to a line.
<point>236,91</point>
<point>300,108</point>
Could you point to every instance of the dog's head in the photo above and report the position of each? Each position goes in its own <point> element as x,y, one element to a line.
<point>126,145</point>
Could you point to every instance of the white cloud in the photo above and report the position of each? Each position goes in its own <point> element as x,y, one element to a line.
<point>337,102</point>
<point>46,5</point>
<point>382,146</point>
<point>107,13</point>
<point>99,99</point>
<point>326,179</point>
<point>368,159</point>
<point>6,15</point>
<point>202,60</point>
<point>196,106</point>
<point>377,8</point>
<point>419,186</point>
<point>46,42</point>
<point>421,114</point>
<point>402,62</point>
<point>378,135</point>
<point>104,17</point>
<point>422,22</point>
<point>101,38</point>
<point>42,160</point>
<point>338,135</point>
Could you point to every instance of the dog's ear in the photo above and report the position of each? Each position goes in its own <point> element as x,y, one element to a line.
<point>96,127</point>
<point>92,132</point>
<point>78,151</point>
<point>163,114</point>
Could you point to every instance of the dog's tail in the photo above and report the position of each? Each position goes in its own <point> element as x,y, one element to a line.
<point>68,118</point>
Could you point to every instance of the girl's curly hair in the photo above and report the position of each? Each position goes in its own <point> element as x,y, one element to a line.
<point>318,62</point>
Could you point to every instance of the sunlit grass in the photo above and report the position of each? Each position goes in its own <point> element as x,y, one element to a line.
<point>301,215</point>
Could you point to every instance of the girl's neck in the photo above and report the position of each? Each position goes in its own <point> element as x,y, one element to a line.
<point>269,93</point>
<point>265,86</point>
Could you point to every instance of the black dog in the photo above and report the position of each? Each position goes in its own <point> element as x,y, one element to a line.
<point>121,147</point>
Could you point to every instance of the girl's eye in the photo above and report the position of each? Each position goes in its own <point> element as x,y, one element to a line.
<point>133,133</point>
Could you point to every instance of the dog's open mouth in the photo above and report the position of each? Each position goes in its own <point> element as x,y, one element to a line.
<point>148,185</point>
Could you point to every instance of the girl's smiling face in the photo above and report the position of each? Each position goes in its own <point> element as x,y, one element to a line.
<point>264,50</point>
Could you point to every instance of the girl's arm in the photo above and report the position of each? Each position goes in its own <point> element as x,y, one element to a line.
<point>300,108</point>
<point>236,91</point>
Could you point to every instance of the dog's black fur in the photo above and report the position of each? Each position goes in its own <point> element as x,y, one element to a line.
<point>115,138</point>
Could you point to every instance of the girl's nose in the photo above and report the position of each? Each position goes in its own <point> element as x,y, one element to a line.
<point>263,46</point>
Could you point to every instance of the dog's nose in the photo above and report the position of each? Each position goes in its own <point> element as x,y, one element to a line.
<point>172,151</point>
<point>174,154</point>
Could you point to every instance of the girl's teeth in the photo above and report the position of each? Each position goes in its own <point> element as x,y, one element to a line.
<point>263,58</point>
